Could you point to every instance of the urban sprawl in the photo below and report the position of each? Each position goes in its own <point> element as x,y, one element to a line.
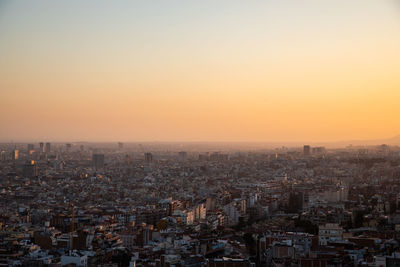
<point>171,205</point>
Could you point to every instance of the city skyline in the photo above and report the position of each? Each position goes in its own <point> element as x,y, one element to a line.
<point>186,71</point>
<point>178,133</point>
<point>393,141</point>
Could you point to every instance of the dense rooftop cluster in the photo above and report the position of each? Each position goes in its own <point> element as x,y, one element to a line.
<point>160,206</point>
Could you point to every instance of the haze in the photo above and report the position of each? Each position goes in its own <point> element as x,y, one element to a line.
<point>199,70</point>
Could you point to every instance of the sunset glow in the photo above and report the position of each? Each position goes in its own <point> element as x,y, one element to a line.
<point>199,70</point>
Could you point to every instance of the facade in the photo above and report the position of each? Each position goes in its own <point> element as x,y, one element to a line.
<point>330,232</point>
<point>15,154</point>
<point>232,213</point>
<point>75,258</point>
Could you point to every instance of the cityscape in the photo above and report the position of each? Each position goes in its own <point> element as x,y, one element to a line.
<point>152,204</point>
<point>172,133</point>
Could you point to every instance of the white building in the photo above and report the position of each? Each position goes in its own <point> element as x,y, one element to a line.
<point>75,258</point>
<point>329,232</point>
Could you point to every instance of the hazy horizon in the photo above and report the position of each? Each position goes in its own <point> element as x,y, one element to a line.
<point>394,140</point>
<point>187,71</point>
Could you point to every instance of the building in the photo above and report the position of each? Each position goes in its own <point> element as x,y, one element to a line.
<point>232,213</point>
<point>200,212</point>
<point>296,202</point>
<point>128,159</point>
<point>189,217</point>
<point>228,262</point>
<point>15,154</point>
<point>48,147</point>
<point>211,203</point>
<point>204,157</point>
<point>307,150</point>
<point>3,155</point>
<point>120,145</point>
<point>30,169</point>
<point>329,232</point>
<point>283,250</point>
<point>182,155</point>
<point>98,161</point>
<point>148,158</point>
<point>128,237</point>
<point>41,145</point>
<point>30,147</point>
<point>318,150</point>
<point>75,259</point>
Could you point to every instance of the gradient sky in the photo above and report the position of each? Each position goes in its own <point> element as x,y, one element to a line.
<point>170,70</point>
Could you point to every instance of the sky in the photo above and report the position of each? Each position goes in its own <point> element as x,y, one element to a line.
<point>227,70</point>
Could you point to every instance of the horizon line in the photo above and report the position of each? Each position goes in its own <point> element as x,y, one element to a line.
<point>203,141</point>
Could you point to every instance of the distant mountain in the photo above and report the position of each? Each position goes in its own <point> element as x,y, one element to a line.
<point>375,142</point>
<point>394,140</point>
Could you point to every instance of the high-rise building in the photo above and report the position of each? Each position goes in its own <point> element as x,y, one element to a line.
<point>98,161</point>
<point>3,155</point>
<point>120,146</point>
<point>148,158</point>
<point>318,150</point>
<point>68,146</point>
<point>30,169</point>
<point>14,154</point>
<point>41,145</point>
<point>127,159</point>
<point>306,150</point>
<point>182,155</point>
<point>48,147</point>
<point>30,147</point>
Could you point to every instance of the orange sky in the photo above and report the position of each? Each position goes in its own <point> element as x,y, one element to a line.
<point>232,71</point>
